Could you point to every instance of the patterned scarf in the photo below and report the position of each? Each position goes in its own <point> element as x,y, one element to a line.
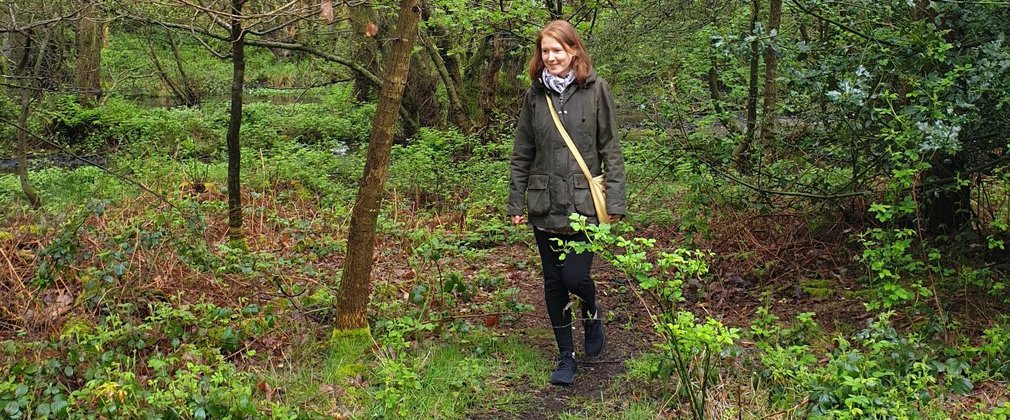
<point>558,84</point>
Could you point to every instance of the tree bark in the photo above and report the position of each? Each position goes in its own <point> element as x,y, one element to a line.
<point>947,208</point>
<point>742,152</point>
<point>190,98</point>
<point>90,39</point>
<point>443,41</point>
<point>489,88</point>
<point>235,121</point>
<point>364,49</point>
<point>355,285</point>
<point>26,186</point>
<point>182,92</point>
<point>457,112</point>
<point>28,91</point>
<point>418,98</point>
<point>731,124</point>
<point>768,113</point>
<point>555,8</point>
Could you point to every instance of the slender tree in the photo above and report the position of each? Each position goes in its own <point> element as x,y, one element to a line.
<point>355,284</point>
<point>456,112</point>
<point>90,39</point>
<point>742,151</point>
<point>29,92</point>
<point>239,23</point>
<point>768,114</point>
<point>235,121</point>
<point>31,43</point>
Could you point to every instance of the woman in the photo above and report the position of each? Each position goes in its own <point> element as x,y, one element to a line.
<point>546,174</point>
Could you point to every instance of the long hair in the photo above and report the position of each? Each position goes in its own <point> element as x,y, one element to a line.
<point>565,34</point>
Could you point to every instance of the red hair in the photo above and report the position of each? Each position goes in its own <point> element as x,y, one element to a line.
<point>565,34</point>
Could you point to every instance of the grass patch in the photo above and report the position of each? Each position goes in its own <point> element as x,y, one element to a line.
<point>478,374</point>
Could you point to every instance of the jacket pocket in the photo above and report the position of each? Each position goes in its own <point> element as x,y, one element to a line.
<point>581,196</point>
<point>538,197</point>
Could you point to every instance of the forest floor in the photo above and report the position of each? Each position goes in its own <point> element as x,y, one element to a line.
<point>732,296</point>
<point>598,379</point>
<point>134,265</point>
<point>778,262</point>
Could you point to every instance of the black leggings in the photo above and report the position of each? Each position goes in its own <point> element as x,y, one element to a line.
<point>562,278</point>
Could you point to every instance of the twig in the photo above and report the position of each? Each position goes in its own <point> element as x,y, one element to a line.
<point>843,26</point>
<point>44,22</point>
<point>14,273</point>
<point>601,362</point>
<point>454,317</point>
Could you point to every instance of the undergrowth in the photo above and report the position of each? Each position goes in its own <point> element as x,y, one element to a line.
<point>125,304</point>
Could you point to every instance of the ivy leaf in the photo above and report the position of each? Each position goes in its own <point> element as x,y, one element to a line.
<point>13,410</point>
<point>962,386</point>
<point>59,405</point>
<point>418,293</point>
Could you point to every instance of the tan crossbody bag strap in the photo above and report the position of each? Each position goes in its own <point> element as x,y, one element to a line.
<point>596,184</point>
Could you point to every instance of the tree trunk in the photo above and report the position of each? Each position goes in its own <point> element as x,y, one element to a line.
<point>768,113</point>
<point>555,8</point>
<point>364,49</point>
<point>235,121</point>
<point>444,43</point>
<point>189,96</point>
<point>355,284</point>
<point>90,39</point>
<point>419,97</point>
<point>26,186</point>
<point>742,152</point>
<point>947,208</point>
<point>714,91</point>
<point>456,112</point>
<point>27,92</point>
<point>181,92</point>
<point>489,88</point>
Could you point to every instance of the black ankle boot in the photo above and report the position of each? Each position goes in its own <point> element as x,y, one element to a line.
<point>565,373</point>
<point>593,328</point>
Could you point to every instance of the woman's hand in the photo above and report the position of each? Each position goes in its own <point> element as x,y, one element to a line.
<point>614,218</point>
<point>518,219</point>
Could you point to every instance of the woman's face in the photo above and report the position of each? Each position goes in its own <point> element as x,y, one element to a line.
<point>555,56</point>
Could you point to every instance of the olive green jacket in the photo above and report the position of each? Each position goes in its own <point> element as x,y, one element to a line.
<point>546,181</point>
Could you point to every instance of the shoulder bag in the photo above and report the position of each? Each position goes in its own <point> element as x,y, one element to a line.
<point>596,184</point>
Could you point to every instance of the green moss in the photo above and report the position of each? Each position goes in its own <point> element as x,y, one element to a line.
<point>77,326</point>
<point>239,243</point>
<point>348,349</point>
<point>819,288</point>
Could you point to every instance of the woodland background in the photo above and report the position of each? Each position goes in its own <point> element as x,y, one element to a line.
<point>295,209</point>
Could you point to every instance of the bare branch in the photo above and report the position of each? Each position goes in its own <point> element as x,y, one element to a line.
<point>358,68</point>
<point>46,22</point>
<point>282,25</point>
<point>843,26</point>
<point>221,14</point>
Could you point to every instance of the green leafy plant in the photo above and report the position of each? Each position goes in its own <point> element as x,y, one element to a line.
<point>876,373</point>
<point>693,349</point>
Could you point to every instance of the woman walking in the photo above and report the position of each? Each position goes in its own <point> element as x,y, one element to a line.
<point>548,182</point>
